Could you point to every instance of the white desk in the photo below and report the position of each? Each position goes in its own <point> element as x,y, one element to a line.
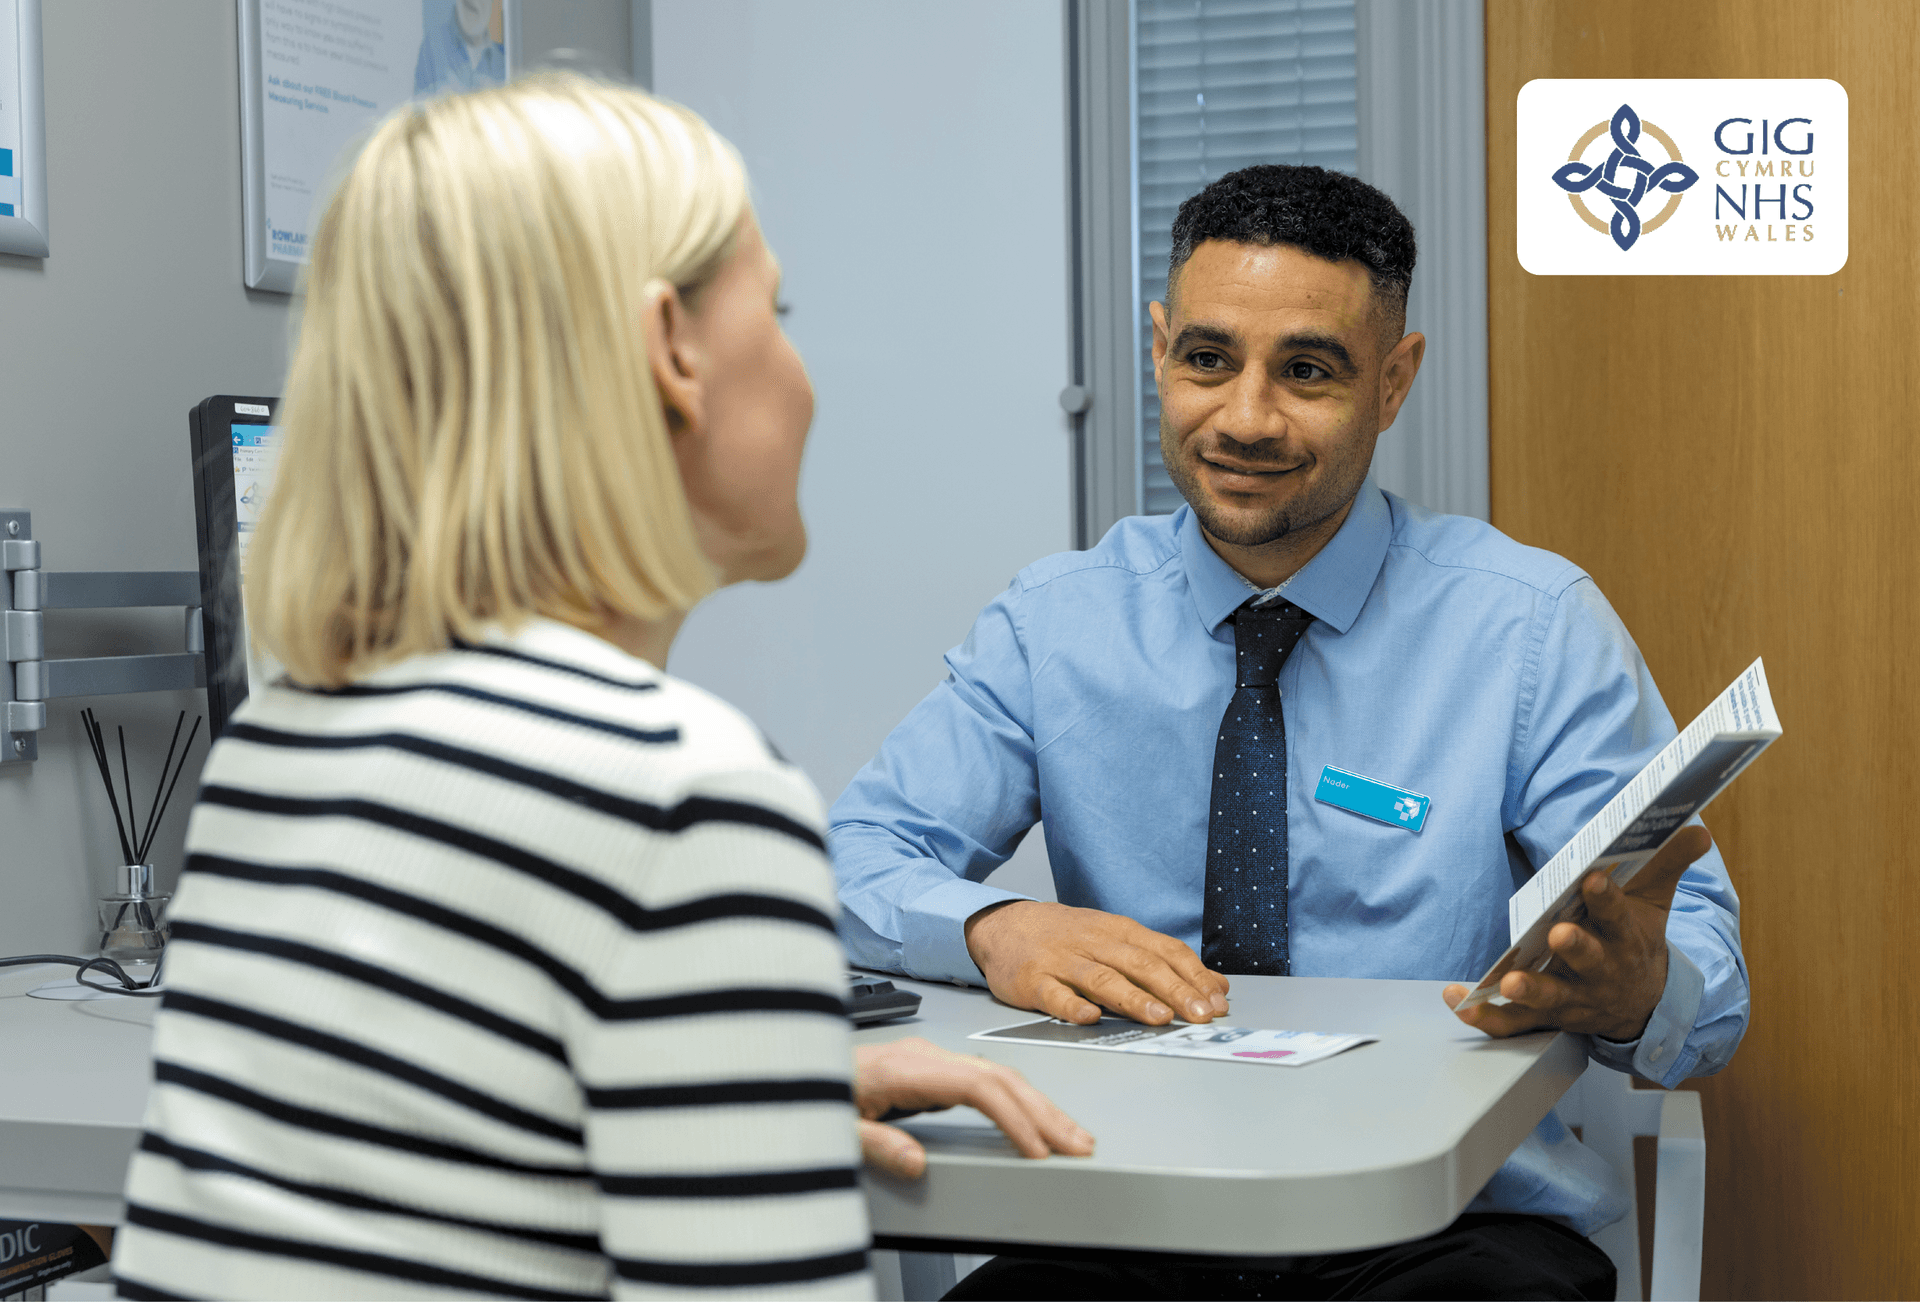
<point>73,1089</point>
<point>1381,1144</point>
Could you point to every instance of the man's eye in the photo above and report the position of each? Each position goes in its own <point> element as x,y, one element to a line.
<point>1305,371</point>
<point>1205,361</point>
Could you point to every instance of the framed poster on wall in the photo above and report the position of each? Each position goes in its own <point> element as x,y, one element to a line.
<point>314,74</point>
<point>23,132</point>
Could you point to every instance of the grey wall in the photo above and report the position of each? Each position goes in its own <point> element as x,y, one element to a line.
<point>138,314</point>
<point>908,164</point>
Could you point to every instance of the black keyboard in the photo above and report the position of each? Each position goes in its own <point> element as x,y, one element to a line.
<point>873,999</point>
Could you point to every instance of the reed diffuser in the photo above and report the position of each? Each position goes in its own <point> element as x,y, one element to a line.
<point>132,926</point>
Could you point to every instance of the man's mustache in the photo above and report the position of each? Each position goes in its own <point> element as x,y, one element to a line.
<point>1267,455</point>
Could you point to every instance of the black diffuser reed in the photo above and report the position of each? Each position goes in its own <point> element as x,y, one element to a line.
<point>135,845</point>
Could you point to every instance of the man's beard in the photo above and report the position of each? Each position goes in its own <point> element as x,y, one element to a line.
<point>1318,504</point>
<point>1276,523</point>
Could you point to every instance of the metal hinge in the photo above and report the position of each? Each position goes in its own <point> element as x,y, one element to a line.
<point>29,679</point>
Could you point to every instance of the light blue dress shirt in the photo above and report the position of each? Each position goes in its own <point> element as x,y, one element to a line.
<point>1445,659</point>
<point>445,64</point>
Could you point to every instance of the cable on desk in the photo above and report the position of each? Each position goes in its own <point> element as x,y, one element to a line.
<point>128,986</point>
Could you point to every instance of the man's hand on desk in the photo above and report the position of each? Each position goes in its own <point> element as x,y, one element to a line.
<point>915,1075</point>
<point>1069,963</point>
<point>1608,974</point>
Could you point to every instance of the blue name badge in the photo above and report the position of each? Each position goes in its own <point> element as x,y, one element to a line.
<point>1376,800</point>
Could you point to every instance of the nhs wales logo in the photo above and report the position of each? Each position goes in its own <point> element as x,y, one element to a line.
<point>1626,178</point>
<point>1672,177</point>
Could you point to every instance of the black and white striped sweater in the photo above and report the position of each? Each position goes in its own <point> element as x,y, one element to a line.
<point>509,970</point>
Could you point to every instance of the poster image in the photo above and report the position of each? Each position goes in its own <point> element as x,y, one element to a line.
<point>23,177</point>
<point>317,73</point>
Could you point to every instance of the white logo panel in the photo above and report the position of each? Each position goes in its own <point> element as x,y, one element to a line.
<point>1682,177</point>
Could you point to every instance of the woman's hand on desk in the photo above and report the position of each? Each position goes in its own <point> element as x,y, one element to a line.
<point>915,1075</point>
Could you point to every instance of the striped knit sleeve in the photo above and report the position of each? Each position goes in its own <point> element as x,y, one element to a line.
<point>716,1069</point>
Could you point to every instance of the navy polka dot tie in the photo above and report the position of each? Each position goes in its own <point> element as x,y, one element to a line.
<point>1243,928</point>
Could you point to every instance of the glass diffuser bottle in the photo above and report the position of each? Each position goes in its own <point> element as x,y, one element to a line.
<point>133,927</point>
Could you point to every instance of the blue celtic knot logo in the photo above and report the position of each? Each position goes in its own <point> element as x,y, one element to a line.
<point>1673,177</point>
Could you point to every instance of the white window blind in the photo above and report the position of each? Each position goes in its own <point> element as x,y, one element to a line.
<point>1220,85</point>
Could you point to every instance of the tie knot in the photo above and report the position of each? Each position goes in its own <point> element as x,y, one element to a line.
<point>1263,638</point>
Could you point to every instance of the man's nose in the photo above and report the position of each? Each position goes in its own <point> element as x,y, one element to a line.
<point>1252,411</point>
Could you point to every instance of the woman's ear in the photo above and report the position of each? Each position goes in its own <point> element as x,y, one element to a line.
<point>674,357</point>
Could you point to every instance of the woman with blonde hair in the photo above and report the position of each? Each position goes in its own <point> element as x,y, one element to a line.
<point>504,962</point>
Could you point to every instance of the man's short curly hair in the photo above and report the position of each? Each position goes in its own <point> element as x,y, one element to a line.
<point>1328,214</point>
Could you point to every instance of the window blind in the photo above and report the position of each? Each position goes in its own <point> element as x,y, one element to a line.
<point>1220,85</point>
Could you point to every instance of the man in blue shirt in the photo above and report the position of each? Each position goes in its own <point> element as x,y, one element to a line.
<point>462,46</point>
<point>1169,700</point>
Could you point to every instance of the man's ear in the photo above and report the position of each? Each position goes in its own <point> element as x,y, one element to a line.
<point>674,358</point>
<point>1396,376</point>
<point>1158,311</point>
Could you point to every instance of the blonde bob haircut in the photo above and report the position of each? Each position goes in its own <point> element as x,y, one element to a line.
<point>471,434</point>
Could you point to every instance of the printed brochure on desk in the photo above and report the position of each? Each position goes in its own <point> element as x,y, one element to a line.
<point>1180,1040</point>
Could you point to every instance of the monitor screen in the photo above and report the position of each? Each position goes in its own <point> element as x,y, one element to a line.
<point>255,452</point>
<point>235,453</point>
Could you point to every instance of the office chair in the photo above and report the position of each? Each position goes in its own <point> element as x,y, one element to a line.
<point>1610,1113</point>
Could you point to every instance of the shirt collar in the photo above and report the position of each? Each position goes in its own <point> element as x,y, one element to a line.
<point>1332,586</point>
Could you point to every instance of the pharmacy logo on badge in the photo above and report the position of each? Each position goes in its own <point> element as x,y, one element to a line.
<point>1622,176</point>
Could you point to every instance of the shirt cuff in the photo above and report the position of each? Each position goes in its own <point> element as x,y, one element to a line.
<point>1657,1055</point>
<point>935,945</point>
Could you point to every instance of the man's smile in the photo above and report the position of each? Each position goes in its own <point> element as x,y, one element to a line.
<point>1234,474</point>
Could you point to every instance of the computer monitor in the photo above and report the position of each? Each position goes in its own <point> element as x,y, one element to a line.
<point>235,448</point>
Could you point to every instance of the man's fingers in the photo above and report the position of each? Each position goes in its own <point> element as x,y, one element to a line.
<point>1111,989</point>
<point>1577,947</point>
<point>1611,906</point>
<point>1024,946</point>
<point>1056,998</point>
<point>1159,978</point>
<point>1607,909</point>
<point>1534,989</point>
<point>1533,999</point>
<point>1514,1019</point>
<point>890,1149</point>
<point>1541,993</point>
<point>1517,1017</point>
<point>1661,875</point>
<point>1181,958</point>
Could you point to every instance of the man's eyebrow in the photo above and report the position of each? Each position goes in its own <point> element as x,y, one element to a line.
<point>1204,334</point>
<point>1314,343</point>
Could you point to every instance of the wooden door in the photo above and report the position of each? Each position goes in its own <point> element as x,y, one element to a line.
<point>1732,459</point>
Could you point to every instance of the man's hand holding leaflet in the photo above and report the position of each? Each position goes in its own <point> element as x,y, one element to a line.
<point>1604,973</point>
<point>1589,929</point>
